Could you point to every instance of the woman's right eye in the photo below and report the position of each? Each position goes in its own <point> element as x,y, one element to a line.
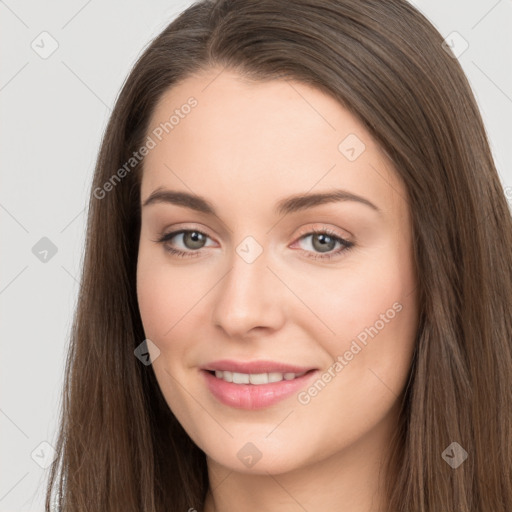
<point>192,237</point>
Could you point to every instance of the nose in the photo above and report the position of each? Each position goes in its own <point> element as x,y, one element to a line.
<point>249,299</point>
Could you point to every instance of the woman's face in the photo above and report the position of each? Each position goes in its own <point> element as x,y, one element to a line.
<point>256,284</point>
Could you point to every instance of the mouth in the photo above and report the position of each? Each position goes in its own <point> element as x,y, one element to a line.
<point>252,391</point>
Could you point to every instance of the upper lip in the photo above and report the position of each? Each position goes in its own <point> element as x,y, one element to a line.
<point>254,367</point>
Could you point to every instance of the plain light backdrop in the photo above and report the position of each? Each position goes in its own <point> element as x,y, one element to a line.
<point>63,63</point>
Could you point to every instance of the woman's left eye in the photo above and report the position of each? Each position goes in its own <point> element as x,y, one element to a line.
<point>322,240</point>
<point>326,240</point>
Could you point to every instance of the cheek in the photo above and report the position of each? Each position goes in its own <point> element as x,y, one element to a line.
<point>165,299</point>
<point>342,304</point>
<point>171,301</point>
<point>368,317</point>
<point>165,293</point>
<point>375,322</point>
<point>159,294</point>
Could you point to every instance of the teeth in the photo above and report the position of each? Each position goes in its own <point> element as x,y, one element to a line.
<point>255,378</point>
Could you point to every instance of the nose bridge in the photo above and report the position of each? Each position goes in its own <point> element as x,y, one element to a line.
<point>246,296</point>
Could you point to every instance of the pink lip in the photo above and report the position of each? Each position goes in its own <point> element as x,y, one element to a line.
<point>252,397</point>
<point>254,367</point>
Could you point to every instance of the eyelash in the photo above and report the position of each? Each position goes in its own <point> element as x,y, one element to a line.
<point>346,245</point>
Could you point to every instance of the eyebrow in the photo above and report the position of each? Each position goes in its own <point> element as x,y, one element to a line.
<point>288,205</point>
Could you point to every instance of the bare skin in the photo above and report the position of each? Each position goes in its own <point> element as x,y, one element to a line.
<point>245,147</point>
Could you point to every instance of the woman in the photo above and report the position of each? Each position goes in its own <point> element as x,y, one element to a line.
<point>297,283</point>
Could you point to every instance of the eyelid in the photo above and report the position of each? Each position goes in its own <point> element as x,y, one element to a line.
<point>186,227</point>
<point>166,236</point>
<point>321,228</point>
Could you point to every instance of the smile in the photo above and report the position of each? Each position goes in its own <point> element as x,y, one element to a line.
<point>253,391</point>
<point>255,378</point>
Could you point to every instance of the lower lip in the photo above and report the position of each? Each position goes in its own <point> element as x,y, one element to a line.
<point>251,396</point>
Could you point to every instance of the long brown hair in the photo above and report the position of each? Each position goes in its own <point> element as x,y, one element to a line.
<point>120,448</point>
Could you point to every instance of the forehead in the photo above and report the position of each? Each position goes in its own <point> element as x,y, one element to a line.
<point>248,144</point>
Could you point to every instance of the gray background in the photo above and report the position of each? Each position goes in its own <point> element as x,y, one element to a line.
<point>54,111</point>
